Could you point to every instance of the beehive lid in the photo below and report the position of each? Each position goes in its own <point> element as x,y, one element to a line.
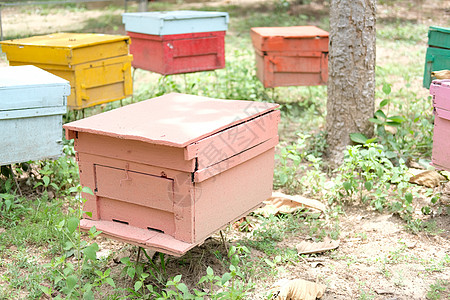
<point>173,119</point>
<point>68,40</point>
<point>291,31</point>
<point>175,22</point>
<point>272,38</point>
<point>27,87</point>
<point>439,37</point>
<point>60,48</point>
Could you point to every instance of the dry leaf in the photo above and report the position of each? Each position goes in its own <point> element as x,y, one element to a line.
<point>415,165</point>
<point>316,247</point>
<point>282,203</point>
<point>299,289</point>
<point>446,174</point>
<point>390,129</point>
<point>414,171</point>
<point>428,178</point>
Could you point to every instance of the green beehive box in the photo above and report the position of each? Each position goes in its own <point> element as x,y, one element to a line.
<point>439,37</point>
<point>438,53</point>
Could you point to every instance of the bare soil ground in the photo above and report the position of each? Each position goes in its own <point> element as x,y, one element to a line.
<point>377,257</point>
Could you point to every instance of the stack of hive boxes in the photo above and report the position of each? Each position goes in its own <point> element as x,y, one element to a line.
<point>175,42</point>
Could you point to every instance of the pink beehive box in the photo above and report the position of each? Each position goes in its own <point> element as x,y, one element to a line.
<point>440,91</point>
<point>168,172</point>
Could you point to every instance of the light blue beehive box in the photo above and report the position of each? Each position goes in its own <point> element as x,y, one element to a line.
<point>175,22</point>
<point>32,102</point>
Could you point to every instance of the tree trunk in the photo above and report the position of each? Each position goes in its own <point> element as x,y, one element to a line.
<point>142,7</point>
<point>351,81</point>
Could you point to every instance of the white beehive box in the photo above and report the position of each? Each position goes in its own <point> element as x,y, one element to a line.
<point>32,102</point>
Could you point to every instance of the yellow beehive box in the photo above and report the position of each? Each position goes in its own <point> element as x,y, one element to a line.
<point>98,66</point>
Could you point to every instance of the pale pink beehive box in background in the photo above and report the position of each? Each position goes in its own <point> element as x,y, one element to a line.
<point>170,171</point>
<point>440,91</point>
<point>290,56</point>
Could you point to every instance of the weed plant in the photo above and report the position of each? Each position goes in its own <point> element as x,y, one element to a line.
<point>439,290</point>
<point>231,285</point>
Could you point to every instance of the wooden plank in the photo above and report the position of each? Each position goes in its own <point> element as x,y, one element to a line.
<point>229,194</point>
<point>175,22</point>
<point>33,112</point>
<point>135,215</point>
<point>184,207</point>
<point>139,237</point>
<point>290,38</point>
<point>295,64</point>
<point>440,91</point>
<point>95,159</point>
<point>236,139</point>
<point>235,160</point>
<point>65,48</point>
<point>119,230</point>
<point>27,139</point>
<point>134,151</point>
<point>134,187</point>
<point>24,87</point>
<point>194,47</point>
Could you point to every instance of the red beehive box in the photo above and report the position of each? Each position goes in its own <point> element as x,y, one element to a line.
<point>440,91</point>
<point>177,42</point>
<point>170,171</point>
<point>291,56</point>
<point>178,53</point>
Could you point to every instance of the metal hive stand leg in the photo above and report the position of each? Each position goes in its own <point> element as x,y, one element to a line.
<point>137,259</point>
<point>223,241</point>
<point>132,79</point>
<point>17,183</point>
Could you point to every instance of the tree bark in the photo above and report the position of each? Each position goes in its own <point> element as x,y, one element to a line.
<point>351,81</point>
<point>142,7</point>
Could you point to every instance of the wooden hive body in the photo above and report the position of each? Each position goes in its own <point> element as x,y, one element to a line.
<point>31,108</point>
<point>291,56</point>
<point>97,66</point>
<point>177,167</point>
<point>177,41</point>
<point>438,53</point>
<point>440,91</point>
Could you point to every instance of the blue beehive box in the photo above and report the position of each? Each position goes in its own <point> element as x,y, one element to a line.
<point>175,22</point>
<point>32,102</point>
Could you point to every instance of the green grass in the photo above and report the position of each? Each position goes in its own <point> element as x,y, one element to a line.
<point>439,290</point>
<point>23,273</point>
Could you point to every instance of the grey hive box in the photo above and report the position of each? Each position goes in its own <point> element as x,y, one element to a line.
<point>32,102</point>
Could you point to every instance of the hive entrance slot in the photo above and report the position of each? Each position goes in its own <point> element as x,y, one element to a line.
<point>154,229</point>
<point>119,221</point>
